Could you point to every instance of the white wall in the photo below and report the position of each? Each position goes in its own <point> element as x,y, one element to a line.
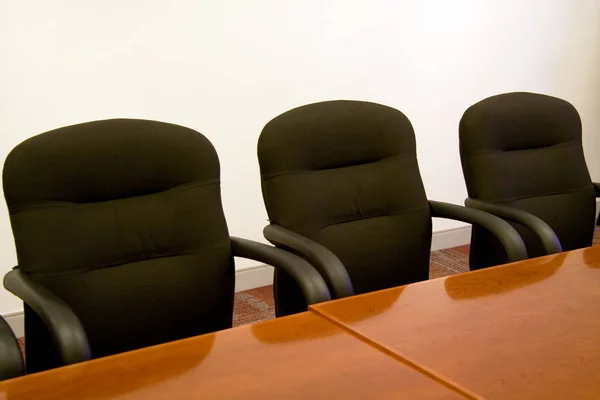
<point>227,67</point>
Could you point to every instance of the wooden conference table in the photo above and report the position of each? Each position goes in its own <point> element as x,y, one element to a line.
<point>528,330</point>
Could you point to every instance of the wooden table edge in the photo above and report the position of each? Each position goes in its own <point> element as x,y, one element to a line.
<point>402,358</point>
<point>414,364</point>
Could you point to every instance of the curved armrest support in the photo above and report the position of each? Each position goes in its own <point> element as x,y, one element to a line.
<point>11,361</point>
<point>597,188</point>
<point>67,332</point>
<point>511,240</point>
<point>537,225</point>
<point>323,259</point>
<point>311,283</point>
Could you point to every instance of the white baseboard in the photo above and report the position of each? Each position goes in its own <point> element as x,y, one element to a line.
<point>262,275</point>
<point>253,277</point>
<point>16,321</point>
<point>451,238</point>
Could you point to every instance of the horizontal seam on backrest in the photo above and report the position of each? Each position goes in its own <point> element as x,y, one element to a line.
<point>542,195</point>
<point>487,152</point>
<point>57,204</point>
<point>364,218</point>
<point>383,160</point>
<point>129,260</point>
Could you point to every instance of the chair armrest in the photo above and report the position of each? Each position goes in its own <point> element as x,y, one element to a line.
<point>11,360</point>
<point>597,188</point>
<point>537,225</point>
<point>328,264</point>
<point>509,237</point>
<point>65,328</point>
<point>311,283</point>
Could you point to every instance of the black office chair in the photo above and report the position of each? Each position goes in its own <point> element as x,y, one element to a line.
<point>342,188</point>
<point>11,360</point>
<point>122,242</point>
<point>523,160</point>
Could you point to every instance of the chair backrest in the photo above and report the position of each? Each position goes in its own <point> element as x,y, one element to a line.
<point>345,174</point>
<point>524,150</point>
<point>123,220</point>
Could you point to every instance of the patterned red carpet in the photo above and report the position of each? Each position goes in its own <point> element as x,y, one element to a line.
<point>253,305</point>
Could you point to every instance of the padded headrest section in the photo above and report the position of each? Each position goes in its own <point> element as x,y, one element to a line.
<point>518,121</point>
<point>333,134</point>
<point>106,160</point>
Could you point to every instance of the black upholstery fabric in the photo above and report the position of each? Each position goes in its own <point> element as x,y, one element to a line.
<point>123,220</point>
<point>524,150</point>
<point>345,174</point>
<point>11,360</point>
